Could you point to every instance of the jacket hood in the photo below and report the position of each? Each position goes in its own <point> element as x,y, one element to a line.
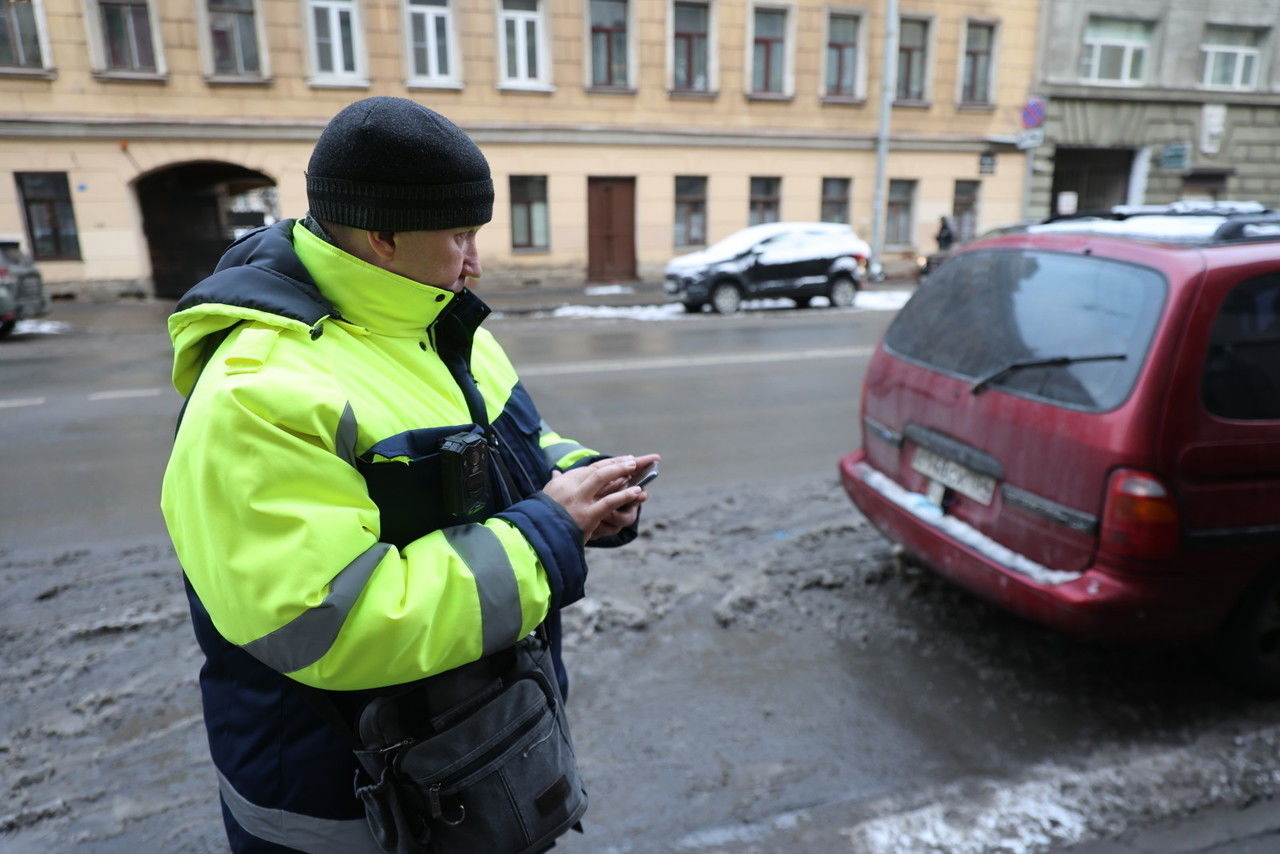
<point>260,279</point>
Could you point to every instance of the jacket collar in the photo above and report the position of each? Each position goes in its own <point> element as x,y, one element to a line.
<point>381,301</point>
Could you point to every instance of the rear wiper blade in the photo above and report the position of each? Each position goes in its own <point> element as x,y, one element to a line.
<point>1049,361</point>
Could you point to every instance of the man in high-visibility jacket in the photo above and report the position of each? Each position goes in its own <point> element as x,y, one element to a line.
<point>317,526</point>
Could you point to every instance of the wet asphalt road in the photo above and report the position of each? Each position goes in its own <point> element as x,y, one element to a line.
<point>86,416</point>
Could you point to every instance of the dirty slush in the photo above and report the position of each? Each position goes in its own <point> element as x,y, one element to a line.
<point>722,668</point>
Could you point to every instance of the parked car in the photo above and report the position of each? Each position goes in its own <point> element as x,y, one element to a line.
<point>21,287</point>
<point>1080,422</point>
<point>800,260</point>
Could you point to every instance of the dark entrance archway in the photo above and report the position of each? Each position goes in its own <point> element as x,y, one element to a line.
<point>192,211</point>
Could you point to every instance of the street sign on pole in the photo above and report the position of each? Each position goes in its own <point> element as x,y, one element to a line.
<point>1030,138</point>
<point>1034,113</point>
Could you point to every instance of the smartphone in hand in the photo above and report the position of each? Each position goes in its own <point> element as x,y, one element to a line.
<point>644,476</point>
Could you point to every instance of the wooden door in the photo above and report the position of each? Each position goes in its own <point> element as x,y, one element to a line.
<point>611,229</point>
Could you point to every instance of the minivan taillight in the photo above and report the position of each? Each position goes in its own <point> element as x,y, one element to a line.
<point>1140,518</point>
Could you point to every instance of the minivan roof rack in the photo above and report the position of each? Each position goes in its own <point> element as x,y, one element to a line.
<point>1184,222</point>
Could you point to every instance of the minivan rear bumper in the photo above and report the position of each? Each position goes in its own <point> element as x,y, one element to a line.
<point>1095,603</point>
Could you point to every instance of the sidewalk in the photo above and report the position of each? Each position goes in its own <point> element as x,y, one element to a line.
<point>515,299</point>
<point>1252,830</point>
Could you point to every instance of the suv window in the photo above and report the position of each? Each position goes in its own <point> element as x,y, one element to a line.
<point>1242,372</point>
<point>11,253</point>
<point>983,312</point>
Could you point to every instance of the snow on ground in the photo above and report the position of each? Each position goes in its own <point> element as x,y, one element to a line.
<point>865,300</point>
<point>606,290</point>
<point>41,327</point>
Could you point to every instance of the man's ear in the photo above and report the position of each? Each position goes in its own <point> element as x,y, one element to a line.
<point>382,244</point>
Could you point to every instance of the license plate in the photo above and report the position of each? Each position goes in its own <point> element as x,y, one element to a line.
<point>962,479</point>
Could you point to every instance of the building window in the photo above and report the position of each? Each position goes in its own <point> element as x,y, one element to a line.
<point>520,43</point>
<point>609,43</point>
<point>765,201</point>
<point>126,31</point>
<point>979,40</point>
<point>334,30</point>
<point>51,223</point>
<point>529,226</point>
<point>835,199</point>
<point>1115,50</point>
<point>689,47</point>
<point>964,211</point>
<point>429,28</point>
<point>1231,56</point>
<point>899,222</point>
<point>691,210</point>
<point>842,56</point>
<point>233,38</point>
<point>769,51</point>
<point>912,48</point>
<point>20,35</point>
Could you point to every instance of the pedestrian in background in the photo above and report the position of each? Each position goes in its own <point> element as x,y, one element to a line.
<point>363,495</point>
<point>945,235</point>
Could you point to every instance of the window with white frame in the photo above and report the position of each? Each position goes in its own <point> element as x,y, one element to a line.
<point>20,34</point>
<point>1115,50</point>
<point>913,46</point>
<point>690,51</point>
<point>842,56</point>
<point>127,43</point>
<point>233,38</point>
<point>334,27</point>
<point>1231,56</point>
<point>429,29</point>
<point>609,43</point>
<point>975,76</point>
<point>769,52</point>
<point>520,43</point>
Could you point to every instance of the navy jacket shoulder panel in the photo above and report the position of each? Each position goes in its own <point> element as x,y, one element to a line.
<point>262,271</point>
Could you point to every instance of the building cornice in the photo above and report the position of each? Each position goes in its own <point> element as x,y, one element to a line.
<point>1079,92</point>
<point>306,130</point>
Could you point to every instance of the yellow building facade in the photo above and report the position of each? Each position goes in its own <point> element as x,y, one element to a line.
<point>139,136</point>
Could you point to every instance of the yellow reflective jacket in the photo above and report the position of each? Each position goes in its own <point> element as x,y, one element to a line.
<point>303,494</point>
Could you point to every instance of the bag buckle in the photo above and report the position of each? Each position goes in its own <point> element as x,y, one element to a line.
<point>437,808</point>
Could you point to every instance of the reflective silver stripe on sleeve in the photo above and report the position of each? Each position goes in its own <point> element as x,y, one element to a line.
<point>307,637</point>
<point>496,585</point>
<point>555,452</point>
<point>295,830</point>
<point>344,441</point>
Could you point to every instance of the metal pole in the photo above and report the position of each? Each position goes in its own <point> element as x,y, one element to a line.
<point>888,88</point>
<point>1029,171</point>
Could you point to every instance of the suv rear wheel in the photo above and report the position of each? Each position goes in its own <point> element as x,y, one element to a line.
<point>726,298</point>
<point>1248,648</point>
<point>842,292</point>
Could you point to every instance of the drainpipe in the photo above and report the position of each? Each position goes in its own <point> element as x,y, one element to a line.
<point>888,87</point>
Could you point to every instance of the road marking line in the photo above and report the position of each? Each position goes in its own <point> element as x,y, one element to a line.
<point>15,402</point>
<point>693,361</point>
<point>126,392</point>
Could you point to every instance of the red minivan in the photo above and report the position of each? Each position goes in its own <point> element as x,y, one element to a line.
<point>1081,423</point>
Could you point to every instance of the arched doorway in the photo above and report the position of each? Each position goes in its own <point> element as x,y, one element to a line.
<point>192,211</point>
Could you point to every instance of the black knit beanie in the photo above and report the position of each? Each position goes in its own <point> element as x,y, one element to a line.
<point>390,164</point>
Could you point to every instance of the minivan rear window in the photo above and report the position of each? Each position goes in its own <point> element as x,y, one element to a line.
<point>1242,374</point>
<point>984,313</point>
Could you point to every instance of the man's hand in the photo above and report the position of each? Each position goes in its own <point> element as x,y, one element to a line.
<point>626,515</point>
<point>591,494</point>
